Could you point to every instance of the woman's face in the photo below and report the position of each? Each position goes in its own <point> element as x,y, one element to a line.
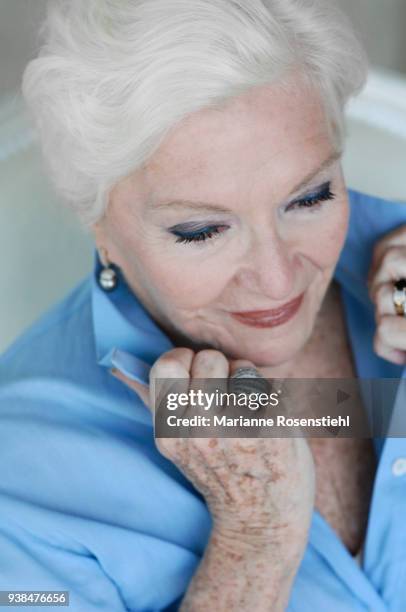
<point>224,219</point>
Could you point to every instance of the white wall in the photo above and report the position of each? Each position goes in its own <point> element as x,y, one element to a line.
<point>382,24</point>
<point>19,21</point>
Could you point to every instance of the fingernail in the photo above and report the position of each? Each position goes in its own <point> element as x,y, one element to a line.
<point>113,371</point>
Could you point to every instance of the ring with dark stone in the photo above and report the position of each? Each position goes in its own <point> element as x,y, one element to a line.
<point>248,380</point>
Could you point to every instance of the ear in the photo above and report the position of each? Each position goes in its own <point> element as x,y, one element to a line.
<point>102,242</point>
<point>99,234</point>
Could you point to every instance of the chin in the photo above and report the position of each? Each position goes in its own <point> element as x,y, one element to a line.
<point>272,351</point>
<point>266,356</point>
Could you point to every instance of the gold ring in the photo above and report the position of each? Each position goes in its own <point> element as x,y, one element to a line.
<point>399,297</point>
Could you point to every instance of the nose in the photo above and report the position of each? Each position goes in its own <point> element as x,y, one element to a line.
<point>268,268</point>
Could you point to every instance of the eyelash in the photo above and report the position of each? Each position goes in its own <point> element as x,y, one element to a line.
<point>314,202</point>
<point>311,203</point>
<point>201,236</point>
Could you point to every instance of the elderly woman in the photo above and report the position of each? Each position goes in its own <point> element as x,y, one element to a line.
<point>200,141</point>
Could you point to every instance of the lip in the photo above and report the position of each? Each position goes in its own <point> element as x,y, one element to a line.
<point>269,318</point>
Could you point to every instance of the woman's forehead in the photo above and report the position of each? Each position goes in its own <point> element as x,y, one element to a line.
<point>250,137</point>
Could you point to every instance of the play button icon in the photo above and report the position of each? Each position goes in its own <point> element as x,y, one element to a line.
<point>341,396</point>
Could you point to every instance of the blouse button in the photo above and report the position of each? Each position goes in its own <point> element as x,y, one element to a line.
<point>399,466</point>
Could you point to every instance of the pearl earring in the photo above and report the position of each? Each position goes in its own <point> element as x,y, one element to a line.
<point>108,278</point>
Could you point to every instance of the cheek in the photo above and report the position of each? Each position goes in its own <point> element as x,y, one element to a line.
<point>184,281</point>
<point>325,240</point>
<point>184,277</point>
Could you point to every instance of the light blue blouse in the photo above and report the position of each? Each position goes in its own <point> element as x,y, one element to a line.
<point>89,505</point>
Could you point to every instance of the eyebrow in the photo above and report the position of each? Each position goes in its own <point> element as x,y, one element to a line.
<point>215,207</point>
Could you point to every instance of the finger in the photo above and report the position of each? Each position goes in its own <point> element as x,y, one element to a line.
<point>209,363</point>
<point>382,296</point>
<point>388,353</point>
<point>210,370</point>
<point>209,373</point>
<point>175,363</point>
<point>391,331</point>
<point>141,390</point>
<point>170,373</point>
<point>395,238</point>
<point>392,267</point>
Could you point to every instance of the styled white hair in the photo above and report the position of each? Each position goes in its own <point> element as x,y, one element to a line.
<point>114,76</point>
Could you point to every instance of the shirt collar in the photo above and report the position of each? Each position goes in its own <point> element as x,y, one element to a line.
<point>368,216</point>
<point>125,334</point>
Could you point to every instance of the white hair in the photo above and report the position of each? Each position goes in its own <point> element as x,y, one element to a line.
<point>114,76</point>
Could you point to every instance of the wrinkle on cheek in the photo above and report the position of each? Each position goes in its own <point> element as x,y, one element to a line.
<point>188,290</point>
<point>128,237</point>
<point>200,325</point>
<point>217,334</point>
<point>332,243</point>
<point>326,246</point>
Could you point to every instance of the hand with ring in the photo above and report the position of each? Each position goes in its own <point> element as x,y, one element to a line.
<point>387,289</point>
<point>260,491</point>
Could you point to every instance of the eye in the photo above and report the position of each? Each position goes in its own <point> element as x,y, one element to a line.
<point>315,200</point>
<point>198,235</point>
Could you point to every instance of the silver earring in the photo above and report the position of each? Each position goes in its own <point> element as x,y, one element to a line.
<point>108,278</point>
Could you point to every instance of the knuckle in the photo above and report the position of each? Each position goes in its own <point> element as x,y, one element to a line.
<point>392,253</point>
<point>211,353</point>
<point>379,294</point>
<point>210,356</point>
<point>172,360</point>
<point>166,447</point>
<point>378,345</point>
<point>165,367</point>
<point>177,353</point>
<point>379,297</point>
<point>380,332</point>
<point>389,329</point>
